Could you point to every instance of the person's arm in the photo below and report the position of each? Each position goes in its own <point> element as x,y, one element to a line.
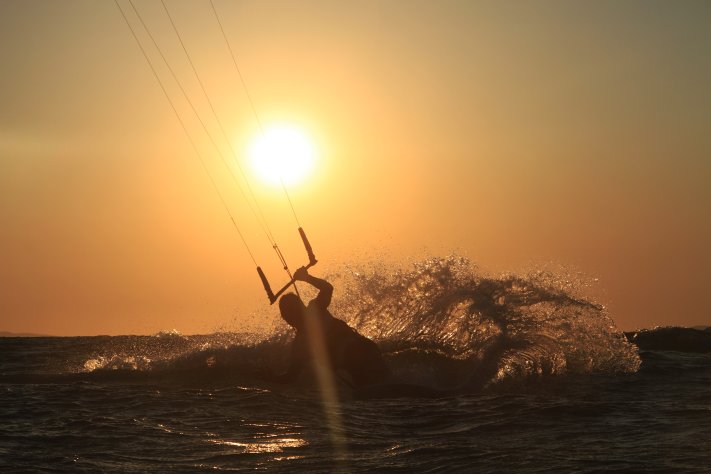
<point>325,288</point>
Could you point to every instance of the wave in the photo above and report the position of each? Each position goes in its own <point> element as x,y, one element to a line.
<point>677,339</point>
<point>499,328</point>
<point>439,322</point>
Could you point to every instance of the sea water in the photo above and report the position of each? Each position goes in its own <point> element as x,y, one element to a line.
<point>523,375</point>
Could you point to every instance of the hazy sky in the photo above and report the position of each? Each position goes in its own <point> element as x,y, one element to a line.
<point>519,134</point>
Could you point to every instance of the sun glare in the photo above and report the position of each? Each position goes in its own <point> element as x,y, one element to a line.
<point>282,154</point>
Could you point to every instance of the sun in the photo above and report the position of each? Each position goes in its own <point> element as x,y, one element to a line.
<point>282,154</point>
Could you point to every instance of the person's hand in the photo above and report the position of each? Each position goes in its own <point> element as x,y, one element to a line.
<point>301,274</point>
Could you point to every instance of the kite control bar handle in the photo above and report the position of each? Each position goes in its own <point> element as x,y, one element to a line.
<point>273,296</point>
<point>312,261</point>
<point>309,250</point>
<point>265,282</point>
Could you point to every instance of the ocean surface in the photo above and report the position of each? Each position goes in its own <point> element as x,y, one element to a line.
<point>494,374</point>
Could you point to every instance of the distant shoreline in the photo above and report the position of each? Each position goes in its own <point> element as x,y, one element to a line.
<point>22,334</point>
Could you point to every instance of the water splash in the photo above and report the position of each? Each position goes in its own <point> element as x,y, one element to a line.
<point>499,328</point>
<point>440,322</point>
<point>171,351</point>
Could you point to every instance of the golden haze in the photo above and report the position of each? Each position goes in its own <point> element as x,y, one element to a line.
<point>515,134</point>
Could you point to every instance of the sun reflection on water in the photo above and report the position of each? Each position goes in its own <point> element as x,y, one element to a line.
<point>271,446</point>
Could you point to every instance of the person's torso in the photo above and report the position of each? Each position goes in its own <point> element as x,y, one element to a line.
<point>325,333</point>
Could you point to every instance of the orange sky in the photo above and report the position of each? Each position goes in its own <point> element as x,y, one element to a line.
<point>518,134</point>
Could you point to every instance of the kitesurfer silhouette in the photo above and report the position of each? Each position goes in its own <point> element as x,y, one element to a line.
<point>326,340</point>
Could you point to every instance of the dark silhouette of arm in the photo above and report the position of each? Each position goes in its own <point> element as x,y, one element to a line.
<point>325,288</point>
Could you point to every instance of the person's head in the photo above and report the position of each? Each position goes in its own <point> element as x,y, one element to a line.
<point>292,309</point>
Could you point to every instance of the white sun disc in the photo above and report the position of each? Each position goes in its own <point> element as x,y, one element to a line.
<point>282,154</point>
